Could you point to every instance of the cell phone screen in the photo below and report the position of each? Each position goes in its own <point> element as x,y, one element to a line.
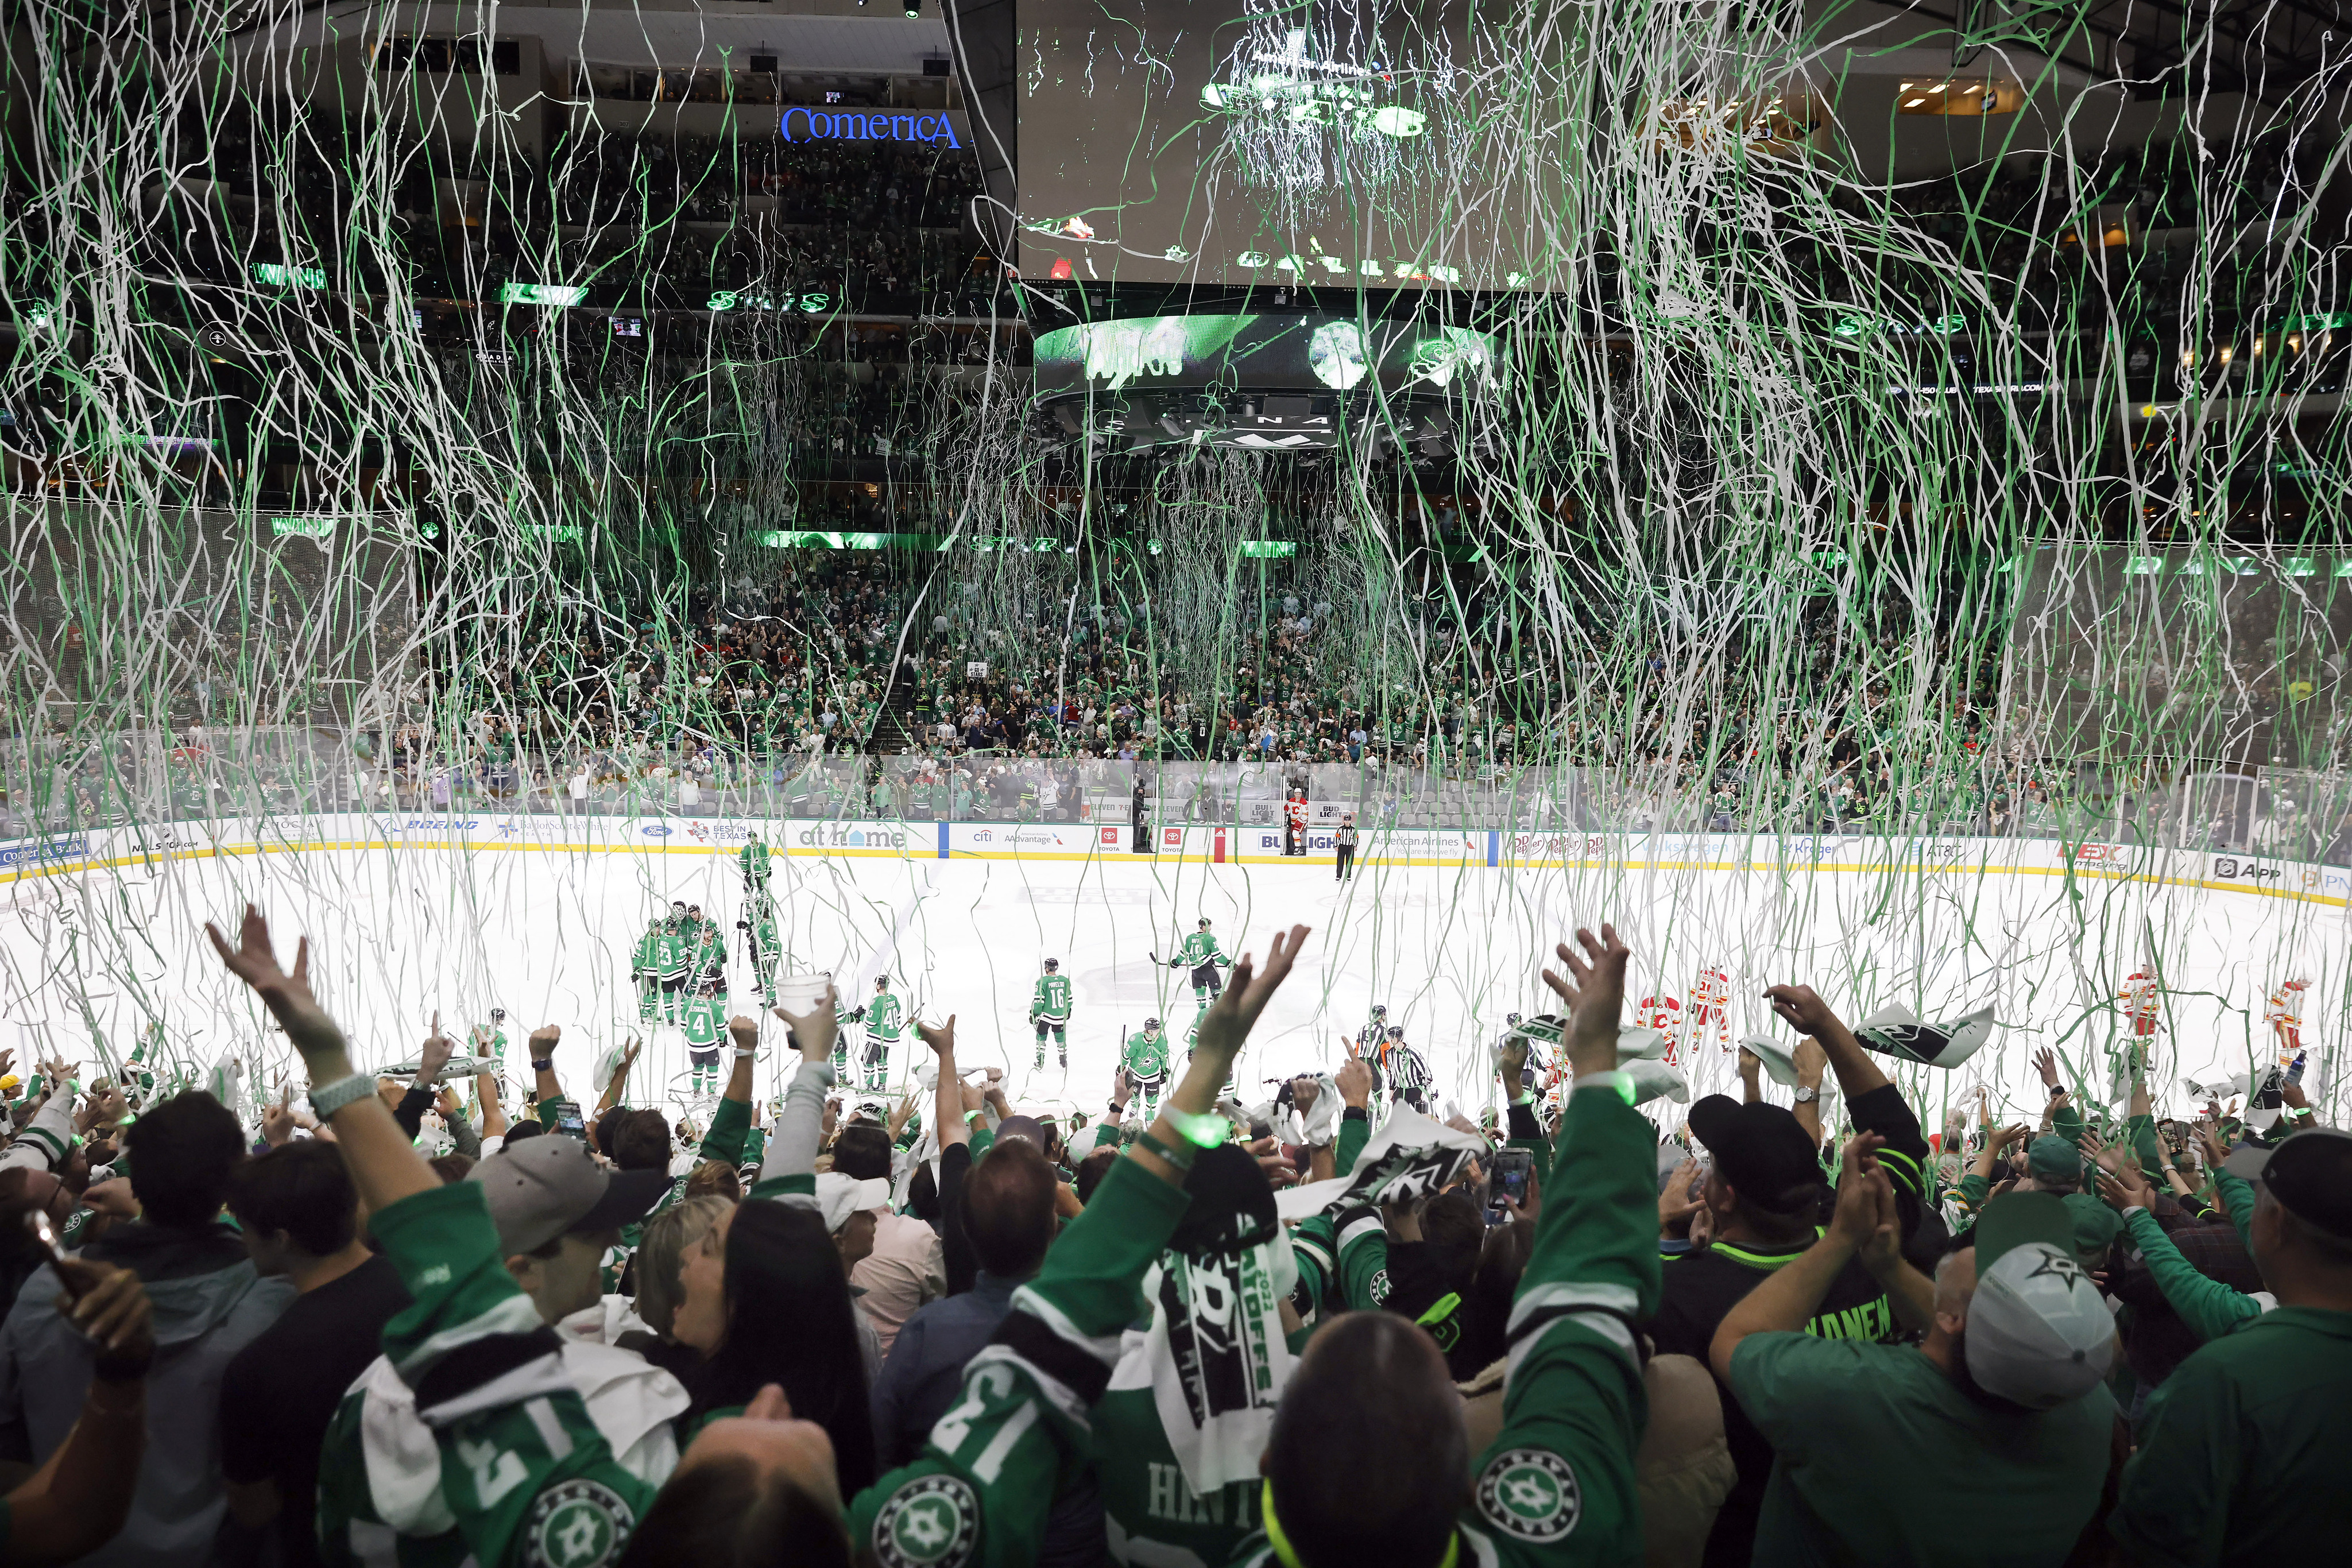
<point>1508,1180</point>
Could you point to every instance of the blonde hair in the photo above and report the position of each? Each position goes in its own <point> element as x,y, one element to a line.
<point>668,1237</point>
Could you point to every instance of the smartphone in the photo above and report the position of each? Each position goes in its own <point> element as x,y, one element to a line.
<point>45,1238</point>
<point>570,1123</point>
<point>1508,1178</point>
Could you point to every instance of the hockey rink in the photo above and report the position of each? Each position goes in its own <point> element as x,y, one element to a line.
<point>402,932</point>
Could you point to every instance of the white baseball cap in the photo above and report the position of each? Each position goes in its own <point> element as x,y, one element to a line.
<point>2039,1331</point>
<point>838,1197</point>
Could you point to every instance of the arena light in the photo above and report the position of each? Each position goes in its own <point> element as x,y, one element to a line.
<point>1270,550</point>
<point>302,527</point>
<point>555,294</point>
<point>278,276</point>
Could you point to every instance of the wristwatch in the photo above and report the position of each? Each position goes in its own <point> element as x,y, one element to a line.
<point>542,1063</point>
<point>326,1099</point>
<point>1807,1094</point>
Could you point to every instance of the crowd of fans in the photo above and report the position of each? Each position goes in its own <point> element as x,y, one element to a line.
<point>1319,1332</point>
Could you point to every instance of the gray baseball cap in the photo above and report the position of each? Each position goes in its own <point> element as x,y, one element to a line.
<point>545,1188</point>
<point>2039,1331</point>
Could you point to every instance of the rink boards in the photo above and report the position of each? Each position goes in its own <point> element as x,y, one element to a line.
<point>2221,870</point>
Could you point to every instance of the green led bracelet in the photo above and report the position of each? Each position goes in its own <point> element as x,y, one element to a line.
<point>1205,1128</point>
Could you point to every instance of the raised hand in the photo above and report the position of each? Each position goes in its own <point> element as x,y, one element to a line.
<point>1511,1062</point>
<point>1303,1092</point>
<point>744,1031</point>
<point>1801,1008</point>
<point>432,1056</point>
<point>2124,1187</point>
<point>277,1120</point>
<point>1675,1205</point>
<point>1229,1019</point>
<point>940,1040</point>
<point>1594,991</point>
<point>1355,1082</point>
<point>543,1041</point>
<point>2046,1062</point>
<point>286,994</point>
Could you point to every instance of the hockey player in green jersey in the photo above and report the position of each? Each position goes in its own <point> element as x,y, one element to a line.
<point>673,960</point>
<point>704,1024</point>
<point>645,968</point>
<point>707,949</point>
<point>1049,1008</point>
<point>766,945</point>
<point>1192,1044</point>
<point>1145,1057</point>
<point>883,1021</point>
<point>753,858</point>
<point>1200,954</point>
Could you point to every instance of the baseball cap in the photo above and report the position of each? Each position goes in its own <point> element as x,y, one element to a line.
<point>1027,1127</point>
<point>1762,1150</point>
<point>2039,1331</point>
<point>2309,1173</point>
<point>838,1197</point>
<point>542,1188</point>
<point>2052,1158</point>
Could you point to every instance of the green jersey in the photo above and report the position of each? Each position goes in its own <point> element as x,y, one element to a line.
<point>1145,1056</point>
<point>1555,1487</point>
<point>527,1477</point>
<point>647,958</point>
<point>1199,948</point>
<point>1051,1000</point>
<point>882,1017</point>
<point>673,951</point>
<point>703,1023</point>
<point>754,860</point>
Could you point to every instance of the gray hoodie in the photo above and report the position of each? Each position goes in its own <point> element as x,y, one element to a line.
<point>209,1305</point>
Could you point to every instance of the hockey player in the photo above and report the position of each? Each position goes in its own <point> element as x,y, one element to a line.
<point>645,968</point>
<point>1710,1009</point>
<point>1144,1055</point>
<point>764,946</point>
<point>708,954</point>
<point>1200,954</point>
<point>883,1022</point>
<point>1049,1008</point>
<point>673,960</point>
<point>753,858</point>
<point>1192,1044</point>
<point>1663,1014</point>
<point>705,1027</point>
<point>2285,1015</point>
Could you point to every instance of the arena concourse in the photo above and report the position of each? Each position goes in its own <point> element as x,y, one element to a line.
<point>1275,783</point>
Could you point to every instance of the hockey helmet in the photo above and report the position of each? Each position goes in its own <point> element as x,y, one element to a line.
<point>1052,965</point>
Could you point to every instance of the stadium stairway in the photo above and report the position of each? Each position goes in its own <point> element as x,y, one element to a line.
<point>895,724</point>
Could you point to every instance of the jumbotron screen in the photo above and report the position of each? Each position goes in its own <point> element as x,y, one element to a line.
<point>1238,141</point>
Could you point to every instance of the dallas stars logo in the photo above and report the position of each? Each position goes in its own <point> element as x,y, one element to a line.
<point>932,1521</point>
<point>1531,1494</point>
<point>2056,1264</point>
<point>579,1525</point>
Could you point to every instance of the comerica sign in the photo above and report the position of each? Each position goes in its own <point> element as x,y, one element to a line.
<point>828,125</point>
